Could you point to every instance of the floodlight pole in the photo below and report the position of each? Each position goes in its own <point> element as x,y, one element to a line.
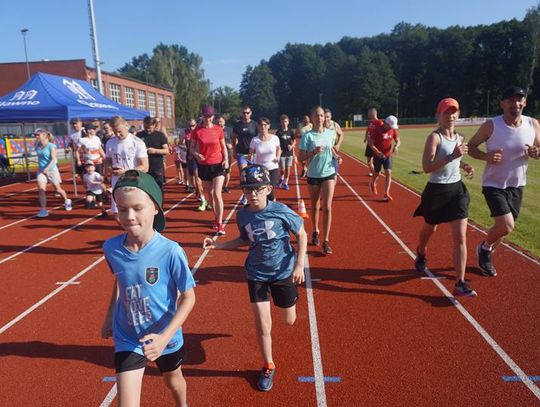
<point>93,36</point>
<point>23,32</point>
<point>397,103</point>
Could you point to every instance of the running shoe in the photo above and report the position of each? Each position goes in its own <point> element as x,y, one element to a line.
<point>221,230</point>
<point>420,263</point>
<point>202,207</point>
<point>68,205</point>
<point>462,289</point>
<point>280,183</point>
<point>43,213</point>
<point>387,197</point>
<point>315,239</point>
<point>208,206</point>
<point>485,263</point>
<point>266,379</point>
<point>226,190</point>
<point>104,214</point>
<point>326,249</point>
<point>286,187</point>
<point>370,174</point>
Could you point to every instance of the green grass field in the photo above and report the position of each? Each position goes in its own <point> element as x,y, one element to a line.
<point>527,231</point>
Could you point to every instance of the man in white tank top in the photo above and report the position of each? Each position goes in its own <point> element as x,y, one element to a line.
<point>510,140</point>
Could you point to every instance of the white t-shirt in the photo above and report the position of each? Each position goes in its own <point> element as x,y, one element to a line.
<point>90,149</point>
<point>123,153</point>
<point>76,138</point>
<point>265,151</point>
<point>94,177</point>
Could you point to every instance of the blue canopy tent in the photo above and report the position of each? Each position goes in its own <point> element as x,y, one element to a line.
<point>48,97</point>
<point>54,98</point>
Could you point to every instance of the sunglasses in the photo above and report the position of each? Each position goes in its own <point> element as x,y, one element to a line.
<point>246,112</point>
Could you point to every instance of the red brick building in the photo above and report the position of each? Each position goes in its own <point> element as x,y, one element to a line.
<point>130,92</point>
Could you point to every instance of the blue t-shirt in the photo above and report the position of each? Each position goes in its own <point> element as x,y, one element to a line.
<point>320,165</point>
<point>271,256</point>
<point>44,155</point>
<point>148,282</point>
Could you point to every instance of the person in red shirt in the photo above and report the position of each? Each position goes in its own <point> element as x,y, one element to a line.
<point>374,122</point>
<point>209,149</point>
<point>380,141</point>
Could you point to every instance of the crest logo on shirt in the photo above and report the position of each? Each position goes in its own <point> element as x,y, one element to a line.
<point>152,275</point>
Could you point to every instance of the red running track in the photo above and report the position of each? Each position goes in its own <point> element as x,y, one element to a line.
<point>370,330</point>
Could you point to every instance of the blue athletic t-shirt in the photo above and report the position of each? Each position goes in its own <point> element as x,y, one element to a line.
<point>148,282</point>
<point>271,256</point>
<point>44,155</point>
<point>320,165</point>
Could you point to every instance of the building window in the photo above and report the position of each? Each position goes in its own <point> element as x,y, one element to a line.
<point>141,99</point>
<point>152,103</point>
<point>168,107</point>
<point>160,105</point>
<point>114,90</point>
<point>93,82</point>
<point>130,102</point>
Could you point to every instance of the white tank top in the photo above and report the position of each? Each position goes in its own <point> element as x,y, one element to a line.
<point>511,171</point>
<point>450,172</point>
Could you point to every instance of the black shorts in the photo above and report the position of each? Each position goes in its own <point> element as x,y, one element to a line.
<point>503,201</point>
<point>284,292</point>
<point>319,181</point>
<point>98,197</point>
<point>441,203</point>
<point>126,361</point>
<point>369,151</point>
<point>158,177</point>
<point>385,162</point>
<point>209,172</point>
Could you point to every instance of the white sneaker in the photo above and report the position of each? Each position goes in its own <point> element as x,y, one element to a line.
<point>43,213</point>
<point>67,205</point>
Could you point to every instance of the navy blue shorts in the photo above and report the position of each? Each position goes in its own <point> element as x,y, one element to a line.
<point>385,162</point>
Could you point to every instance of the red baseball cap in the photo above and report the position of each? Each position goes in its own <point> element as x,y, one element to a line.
<point>447,103</point>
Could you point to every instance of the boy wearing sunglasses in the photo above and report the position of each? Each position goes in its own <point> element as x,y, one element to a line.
<point>272,265</point>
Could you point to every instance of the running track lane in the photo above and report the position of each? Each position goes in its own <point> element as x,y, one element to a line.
<point>367,340</point>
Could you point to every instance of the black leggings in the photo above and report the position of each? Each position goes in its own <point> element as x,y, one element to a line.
<point>274,179</point>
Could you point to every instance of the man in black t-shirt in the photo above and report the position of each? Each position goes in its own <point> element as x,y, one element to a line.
<point>243,132</point>
<point>286,142</point>
<point>157,147</point>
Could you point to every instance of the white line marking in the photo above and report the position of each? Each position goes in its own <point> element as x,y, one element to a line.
<point>49,296</point>
<point>110,397</point>
<point>320,390</point>
<point>433,278</point>
<point>48,239</point>
<point>68,282</point>
<point>525,255</point>
<point>476,325</point>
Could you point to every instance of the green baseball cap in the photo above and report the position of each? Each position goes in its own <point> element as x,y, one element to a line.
<point>146,183</point>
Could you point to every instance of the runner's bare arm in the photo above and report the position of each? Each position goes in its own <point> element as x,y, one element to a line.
<point>481,136</point>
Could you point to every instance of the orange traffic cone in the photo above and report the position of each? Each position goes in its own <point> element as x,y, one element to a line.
<point>302,209</point>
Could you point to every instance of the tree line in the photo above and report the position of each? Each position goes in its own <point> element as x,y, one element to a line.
<point>404,72</point>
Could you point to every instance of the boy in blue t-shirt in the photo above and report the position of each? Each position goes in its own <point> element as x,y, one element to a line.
<point>146,314</point>
<point>272,265</point>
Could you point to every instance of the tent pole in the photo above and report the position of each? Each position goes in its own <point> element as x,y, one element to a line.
<point>73,165</point>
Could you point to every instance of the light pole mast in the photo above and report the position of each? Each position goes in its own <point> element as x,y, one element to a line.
<point>23,32</point>
<point>93,36</point>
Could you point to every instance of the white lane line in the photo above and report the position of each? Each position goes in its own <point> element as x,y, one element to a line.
<point>49,296</point>
<point>48,239</point>
<point>320,390</point>
<point>35,216</point>
<point>473,226</point>
<point>476,325</point>
<point>110,397</point>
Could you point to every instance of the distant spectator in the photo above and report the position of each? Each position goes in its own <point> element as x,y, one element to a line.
<point>157,146</point>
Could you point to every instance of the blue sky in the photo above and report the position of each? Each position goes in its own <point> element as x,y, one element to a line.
<point>229,35</point>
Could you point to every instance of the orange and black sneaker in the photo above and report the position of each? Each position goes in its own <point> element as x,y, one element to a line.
<point>388,198</point>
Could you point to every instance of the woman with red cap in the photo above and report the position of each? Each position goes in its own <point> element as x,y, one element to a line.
<point>209,149</point>
<point>445,198</point>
